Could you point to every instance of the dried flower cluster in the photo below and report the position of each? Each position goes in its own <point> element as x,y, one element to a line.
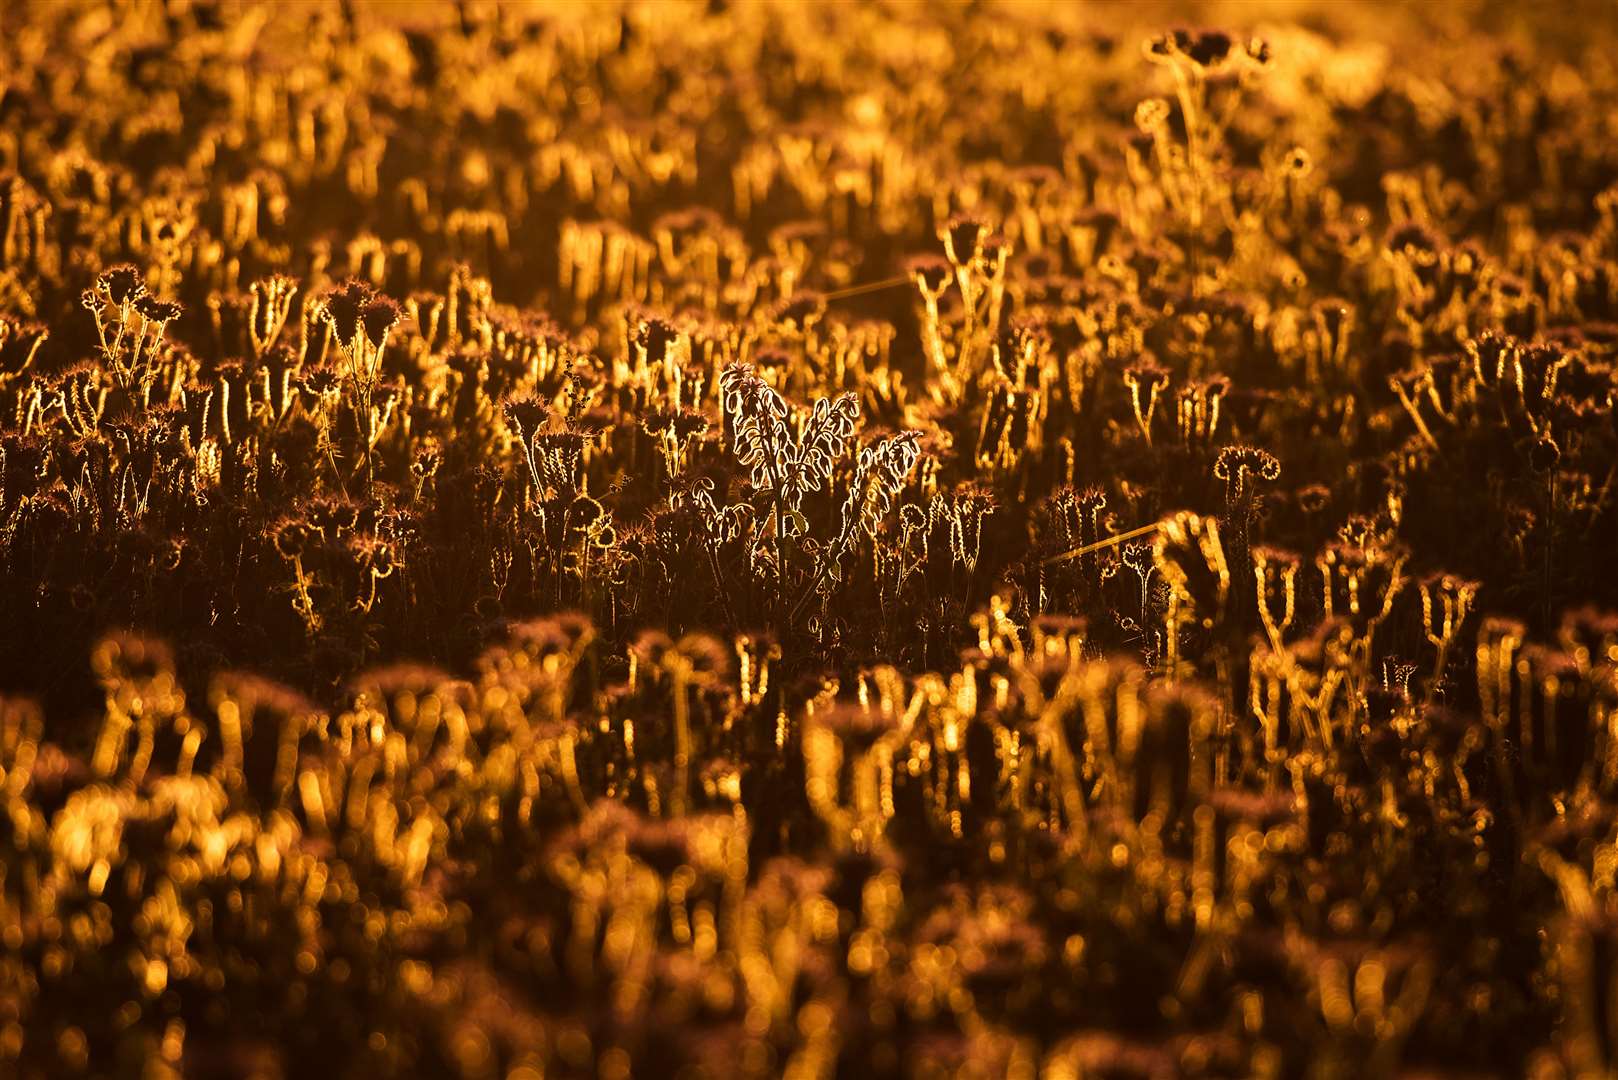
<point>846,540</point>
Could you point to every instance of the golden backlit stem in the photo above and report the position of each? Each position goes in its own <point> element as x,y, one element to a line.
<point>1111,541</point>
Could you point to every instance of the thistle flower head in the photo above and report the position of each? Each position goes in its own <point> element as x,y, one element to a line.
<point>122,284</point>
<point>963,236</point>
<point>155,310</point>
<point>346,308</point>
<point>931,271</point>
<point>655,335</point>
<point>378,316</point>
<point>678,424</point>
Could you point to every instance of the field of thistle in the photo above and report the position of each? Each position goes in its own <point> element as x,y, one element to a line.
<point>774,539</point>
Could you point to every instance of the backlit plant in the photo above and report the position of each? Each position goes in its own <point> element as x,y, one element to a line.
<point>807,540</point>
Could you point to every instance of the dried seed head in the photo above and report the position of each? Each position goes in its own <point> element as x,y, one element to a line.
<point>379,316</point>
<point>155,310</point>
<point>123,284</point>
<point>527,415</point>
<point>963,237</point>
<point>931,271</point>
<point>345,308</point>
